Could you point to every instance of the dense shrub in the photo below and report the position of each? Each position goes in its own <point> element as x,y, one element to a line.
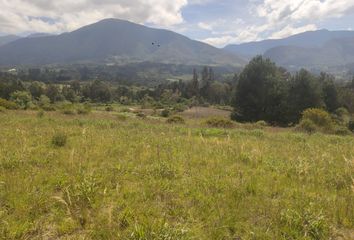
<point>307,125</point>
<point>165,113</point>
<point>109,109</point>
<point>59,139</point>
<point>219,122</point>
<point>2,109</point>
<point>314,119</point>
<point>141,115</point>
<point>262,124</point>
<point>176,120</point>
<point>8,104</point>
<point>319,117</point>
<point>23,99</point>
<point>342,130</point>
<point>341,116</point>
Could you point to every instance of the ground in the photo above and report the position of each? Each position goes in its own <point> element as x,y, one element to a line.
<point>130,178</point>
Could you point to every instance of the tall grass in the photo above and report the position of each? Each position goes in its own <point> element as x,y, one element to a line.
<point>138,179</point>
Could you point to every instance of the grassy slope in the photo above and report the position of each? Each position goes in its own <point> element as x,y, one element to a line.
<point>145,180</point>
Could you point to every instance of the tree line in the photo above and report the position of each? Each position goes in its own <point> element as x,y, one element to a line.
<point>267,92</point>
<point>262,91</point>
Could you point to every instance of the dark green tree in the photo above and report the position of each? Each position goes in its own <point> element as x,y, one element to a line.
<point>304,92</point>
<point>330,92</point>
<point>36,89</point>
<point>260,92</point>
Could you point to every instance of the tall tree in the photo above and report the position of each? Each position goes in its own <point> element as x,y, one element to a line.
<point>330,92</point>
<point>304,92</point>
<point>260,92</point>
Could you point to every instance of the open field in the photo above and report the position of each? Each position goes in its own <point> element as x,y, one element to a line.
<point>119,178</point>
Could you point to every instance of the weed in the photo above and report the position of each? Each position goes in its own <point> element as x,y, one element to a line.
<point>59,139</point>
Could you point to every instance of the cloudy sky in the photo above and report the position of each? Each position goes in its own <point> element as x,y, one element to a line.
<point>218,22</point>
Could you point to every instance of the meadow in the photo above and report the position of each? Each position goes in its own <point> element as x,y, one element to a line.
<point>106,175</point>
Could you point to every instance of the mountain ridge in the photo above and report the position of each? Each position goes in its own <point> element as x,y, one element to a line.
<point>114,41</point>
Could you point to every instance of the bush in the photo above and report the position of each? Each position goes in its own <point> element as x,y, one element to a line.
<point>23,99</point>
<point>176,120</point>
<point>109,109</point>
<point>8,104</point>
<point>2,109</point>
<point>314,119</point>
<point>319,117</point>
<point>59,139</point>
<point>307,125</point>
<point>219,122</point>
<point>343,131</point>
<point>262,123</point>
<point>165,113</point>
<point>141,115</point>
<point>341,116</point>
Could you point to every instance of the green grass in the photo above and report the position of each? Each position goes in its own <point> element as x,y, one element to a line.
<point>144,179</point>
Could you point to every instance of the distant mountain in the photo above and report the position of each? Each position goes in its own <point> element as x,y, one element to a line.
<point>311,39</point>
<point>7,39</point>
<point>36,35</point>
<point>114,41</point>
<point>336,52</point>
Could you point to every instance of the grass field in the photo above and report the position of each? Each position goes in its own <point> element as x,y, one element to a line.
<point>119,178</point>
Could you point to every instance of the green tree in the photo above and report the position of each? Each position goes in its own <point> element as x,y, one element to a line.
<point>98,91</point>
<point>22,98</point>
<point>36,89</point>
<point>304,92</point>
<point>260,92</point>
<point>330,93</point>
<point>53,93</point>
<point>193,86</point>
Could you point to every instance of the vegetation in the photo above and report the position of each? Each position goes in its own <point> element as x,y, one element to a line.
<point>267,92</point>
<point>176,120</point>
<point>92,159</point>
<point>219,122</point>
<point>94,177</point>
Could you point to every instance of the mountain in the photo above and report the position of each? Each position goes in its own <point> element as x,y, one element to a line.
<point>114,41</point>
<point>311,39</point>
<point>336,52</point>
<point>7,39</point>
<point>36,35</point>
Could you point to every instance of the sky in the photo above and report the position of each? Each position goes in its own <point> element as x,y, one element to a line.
<point>217,22</point>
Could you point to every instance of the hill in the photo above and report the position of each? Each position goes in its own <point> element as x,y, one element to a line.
<point>311,39</point>
<point>7,39</point>
<point>336,52</point>
<point>114,41</point>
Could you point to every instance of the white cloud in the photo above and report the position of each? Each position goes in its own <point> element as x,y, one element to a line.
<point>18,16</point>
<point>303,10</point>
<point>289,30</point>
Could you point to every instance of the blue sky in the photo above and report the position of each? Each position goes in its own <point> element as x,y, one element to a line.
<point>217,22</point>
